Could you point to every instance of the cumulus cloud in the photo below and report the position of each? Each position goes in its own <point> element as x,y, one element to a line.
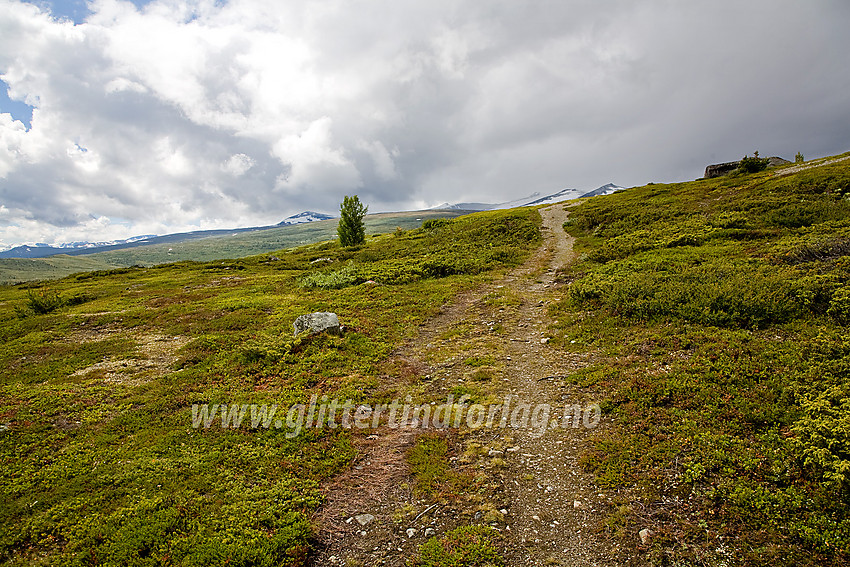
<point>183,114</point>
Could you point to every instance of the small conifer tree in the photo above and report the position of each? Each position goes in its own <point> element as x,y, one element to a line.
<point>799,158</point>
<point>753,164</point>
<point>351,230</point>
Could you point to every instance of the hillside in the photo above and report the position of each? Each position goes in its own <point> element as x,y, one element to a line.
<point>697,330</point>
<point>201,247</point>
<point>100,458</point>
<point>718,311</point>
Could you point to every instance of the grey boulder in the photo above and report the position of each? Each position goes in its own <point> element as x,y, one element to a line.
<point>317,323</point>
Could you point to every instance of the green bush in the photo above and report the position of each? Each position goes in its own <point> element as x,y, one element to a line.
<point>808,213</point>
<point>823,434</point>
<point>337,279</point>
<point>684,232</point>
<point>714,293</point>
<point>753,164</point>
<point>41,301</point>
<point>839,306</point>
<point>434,224</point>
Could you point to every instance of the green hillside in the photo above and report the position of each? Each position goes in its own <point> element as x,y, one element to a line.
<point>720,309</point>
<point>206,249</point>
<point>100,461</point>
<point>709,318</point>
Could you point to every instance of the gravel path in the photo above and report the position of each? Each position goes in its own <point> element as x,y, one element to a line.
<point>529,484</point>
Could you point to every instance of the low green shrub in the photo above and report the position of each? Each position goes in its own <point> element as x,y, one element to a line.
<point>433,224</point>
<point>753,164</point>
<point>337,279</point>
<point>718,292</point>
<point>468,546</point>
<point>429,463</point>
<point>41,301</point>
<point>839,306</point>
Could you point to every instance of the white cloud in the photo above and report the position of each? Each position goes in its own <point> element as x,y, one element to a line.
<point>316,162</point>
<point>204,113</point>
<point>384,160</point>
<point>238,164</point>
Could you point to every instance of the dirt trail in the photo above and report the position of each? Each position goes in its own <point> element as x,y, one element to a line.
<point>805,166</point>
<point>529,486</point>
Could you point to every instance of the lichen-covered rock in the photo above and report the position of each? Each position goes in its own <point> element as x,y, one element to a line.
<point>317,323</point>
<point>720,169</point>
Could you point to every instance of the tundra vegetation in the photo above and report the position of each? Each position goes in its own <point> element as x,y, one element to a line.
<point>721,309</point>
<point>715,311</point>
<point>101,464</point>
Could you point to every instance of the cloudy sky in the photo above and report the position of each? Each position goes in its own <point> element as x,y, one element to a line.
<point>121,118</point>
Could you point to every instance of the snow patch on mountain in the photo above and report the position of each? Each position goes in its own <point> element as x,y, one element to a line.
<point>534,199</point>
<point>306,216</point>
<point>606,189</point>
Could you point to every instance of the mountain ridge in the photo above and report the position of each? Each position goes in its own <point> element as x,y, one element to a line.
<point>533,200</point>
<point>42,250</point>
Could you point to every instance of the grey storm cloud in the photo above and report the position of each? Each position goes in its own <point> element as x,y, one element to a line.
<point>194,114</point>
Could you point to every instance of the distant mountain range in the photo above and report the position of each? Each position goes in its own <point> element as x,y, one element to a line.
<point>533,200</point>
<point>77,248</point>
<point>41,250</point>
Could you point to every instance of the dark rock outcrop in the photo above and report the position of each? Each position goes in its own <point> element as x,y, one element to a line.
<point>721,169</point>
<point>775,161</point>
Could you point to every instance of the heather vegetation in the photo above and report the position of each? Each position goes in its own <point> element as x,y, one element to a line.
<point>101,463</point>
<point>709,318</point>
<point>719,308</point>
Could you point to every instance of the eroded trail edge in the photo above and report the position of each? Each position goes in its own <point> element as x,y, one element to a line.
<point>490,344</point>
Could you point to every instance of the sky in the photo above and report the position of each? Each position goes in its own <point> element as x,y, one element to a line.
<point>124,118</point>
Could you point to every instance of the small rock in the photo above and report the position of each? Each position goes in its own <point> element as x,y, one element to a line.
<point>362,412</point>
<point>430,532</point>
<point>410,532</point>
<point>536,518</point>
<point>504,512</point>
<point>576,503</point>
<point>544,340</point>
<point>364,519</point>
<point>645,535</point>
<point>317,323</point>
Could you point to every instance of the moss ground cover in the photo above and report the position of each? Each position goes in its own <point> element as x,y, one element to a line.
<point>99,461</point>
<point>721,306</point>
